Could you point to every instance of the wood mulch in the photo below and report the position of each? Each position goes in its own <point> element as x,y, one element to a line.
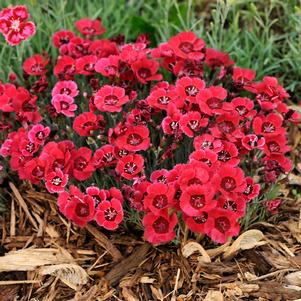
<point>44,257</point>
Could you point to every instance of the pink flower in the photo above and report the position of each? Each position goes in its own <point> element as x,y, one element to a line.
<point>64,104</point>
<point>14,25</point>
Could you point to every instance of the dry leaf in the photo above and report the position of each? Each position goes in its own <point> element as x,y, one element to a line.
<point>192,247</point>
<point>71,274</point>
<point>214,296</point>
<point>294,278</point>
<point>128,295</point>
<point>245,241</point>
<point>146,279</point>
<point>294,179</point>
<point>30,259</point>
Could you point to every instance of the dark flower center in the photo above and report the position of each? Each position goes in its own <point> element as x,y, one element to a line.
<point>248,190</point>
<point>58,163</point>
<point>110,214</point>
<point>164,100</point>
<point>242,110</point>
<point>194,181</point>
<point>268,127</point>
<point>228,183</point>
<point>66,91</point>
<point>226,127</point>
<point>144,73</point>
<point>82,210</point>
<point>273,146</point>
<point>111,100</point>
<point>64,105</point>
<point>130,167</point>
<point>191,90</point>
<point>37,68</point>
<point>38,172</point>
<point>56,181</point>
<point>201,219</point>
<point>224,156</point>
<point>30,147</point>
<point>197,201</point>
<point>214,103</point>
<point>230,205</point>
<point>193,124</point>
<point>89,67</point>
<point>80,163</point>
<point>186,47</point>
<point>108,157</point>
<point>134,139</point>
<point>161,225</point>
<point>174,125</point>
<point>40,135</point>
<point>160,201</point>
<point>222,224</point>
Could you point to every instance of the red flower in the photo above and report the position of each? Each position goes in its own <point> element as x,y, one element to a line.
<point>252,142</point>
<point>159,228</point>
<point>273,205</point>
<point>109,214</point>
<point>38,133</point>
<point>207,141</point>
<point>159,176</point>
<point>134,139</point>
<point>270,125</point>
<point>230,180</point>
<point>190,87</point>
<point>110,99</point>
<point>98,195</point>
<point>35,170</point>
<point>195,173</point>
<point>145,70</point>
<point>229,154</point>
<point>14,25</point>
<point>103,48</point>
<point>269,93</point>
<point>35,65</point>
<point>80,210</point>
<point>227,126</point>
<point>85,123</point>
<point>82,167</point>
<point>55,181</point>
<point>206,156</point>
<point>85,65</point>
<point>187,45</point>
<point>212,101</point>
<point>171,123</point>
<point>276,145</point>
<point>160,98</point>
<point>224,225</point>
<point>67,87</point>
<point>89,27</point>
<point>199,224</point>
<point>235,204</point>
<point>65,68</point>
<point>108,66</point>
<point>243,77</point>
<point>192,122</point>
<point>216,58</point>
<point>8,92</point>
<point>244,106</point>
<point>130,166</point>
<point>62,37</point>
<point>104,157</point>
<point>288,114</point>
<point>197,198</point>
<point>159,196</point>
<point>252,189</point>
<point>64,104</point>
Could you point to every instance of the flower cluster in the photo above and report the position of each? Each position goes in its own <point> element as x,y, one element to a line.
<point>14,24</point>
<point>196,144</point>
